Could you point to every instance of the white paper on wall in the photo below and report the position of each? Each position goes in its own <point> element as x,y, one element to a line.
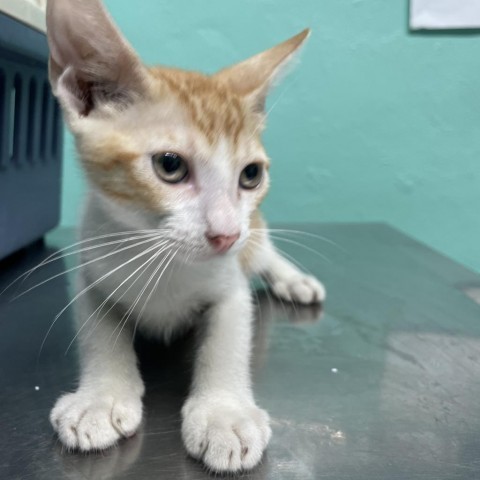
<point>31,12</point>
<point>442,14</point>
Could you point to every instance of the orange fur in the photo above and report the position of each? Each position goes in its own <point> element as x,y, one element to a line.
<point>123,112</point>
<point>214,111</point>
<point>109,164</point>
<point>214,108</point>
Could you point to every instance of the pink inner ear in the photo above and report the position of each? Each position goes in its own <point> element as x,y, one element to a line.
<point>85,92</point>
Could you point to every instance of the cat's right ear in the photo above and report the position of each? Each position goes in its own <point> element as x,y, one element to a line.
<point>91,64</point>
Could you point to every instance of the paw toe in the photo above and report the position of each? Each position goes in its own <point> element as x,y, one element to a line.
<point>302,289</point>
<point>126,417</point>
<point>94,422</point>
<point>227,439</point>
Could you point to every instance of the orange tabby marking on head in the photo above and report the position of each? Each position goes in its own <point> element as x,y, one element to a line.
<point>109,164</point>
<point>213,107</point>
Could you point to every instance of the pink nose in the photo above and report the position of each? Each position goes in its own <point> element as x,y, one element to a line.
<point>222,243</point>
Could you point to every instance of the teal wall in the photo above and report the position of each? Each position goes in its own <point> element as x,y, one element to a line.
<point>375,124</point>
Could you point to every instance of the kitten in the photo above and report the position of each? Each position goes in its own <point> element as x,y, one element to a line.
<point>176,171</point>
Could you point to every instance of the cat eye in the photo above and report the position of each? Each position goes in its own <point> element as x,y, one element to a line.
<point>251,176</point>
<point>170,167</point>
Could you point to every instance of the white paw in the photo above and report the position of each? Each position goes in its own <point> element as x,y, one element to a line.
<point>226,435</point>
<point>299,288</point>
<point>93,421</point>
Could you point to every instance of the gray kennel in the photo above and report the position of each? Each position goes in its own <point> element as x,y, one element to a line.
<point>30,138</point>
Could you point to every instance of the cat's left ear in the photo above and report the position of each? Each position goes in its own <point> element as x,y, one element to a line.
<point>254,77</point>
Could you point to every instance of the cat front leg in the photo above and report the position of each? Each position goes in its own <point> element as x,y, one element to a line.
<point>286,280</point>
<point>260,257</point>
<point>108,402</point>
<point>222,426</point>
<point>291,284</point>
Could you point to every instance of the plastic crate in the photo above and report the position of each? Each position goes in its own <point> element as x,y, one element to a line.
<point>30,138</point>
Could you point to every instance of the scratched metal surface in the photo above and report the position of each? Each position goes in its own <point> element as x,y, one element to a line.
<point>384,384</point>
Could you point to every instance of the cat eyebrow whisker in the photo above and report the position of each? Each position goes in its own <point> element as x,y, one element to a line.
<point>99,309</point>
<point>92,285</point>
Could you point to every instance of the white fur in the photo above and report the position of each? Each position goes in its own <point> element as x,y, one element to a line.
<point>221,423</point>
<point>160,285</point>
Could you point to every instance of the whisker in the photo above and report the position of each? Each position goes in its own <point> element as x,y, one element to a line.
<point>266,283</point>
<point>273,300</point>
<point>137,300</point>
<point>293,242</point>
<point>86,289</point>
<point>299,232</point>
<point>51,256</point>
<point>100,307</point>
<point>155,256</point>
<point>93,247</point>
<point>285,254</point>
<point>139,316</point>
<point>105,244</point>
<point>82,265</point>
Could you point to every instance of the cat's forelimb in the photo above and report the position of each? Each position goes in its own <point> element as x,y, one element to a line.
<point>284,278</point>
<point>108,402</point>
<point>221,423</point>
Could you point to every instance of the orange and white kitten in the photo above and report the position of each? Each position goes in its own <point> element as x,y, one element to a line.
<point>176,171</point>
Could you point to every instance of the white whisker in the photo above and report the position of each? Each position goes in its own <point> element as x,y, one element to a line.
<point>155,256</point>
<point>54,256</point>
<point>83,265</point>
<point>132,308</point>
<point>266,283</point>
<point>299,232</point>
<point>139,316</point>
<point>293,242</point>
<point>86,289</point>
<point>100,307</point>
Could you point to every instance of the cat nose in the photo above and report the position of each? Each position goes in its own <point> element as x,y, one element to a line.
<point>222,243</point>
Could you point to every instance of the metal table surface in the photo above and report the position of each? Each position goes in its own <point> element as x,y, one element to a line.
<point>383,384</point>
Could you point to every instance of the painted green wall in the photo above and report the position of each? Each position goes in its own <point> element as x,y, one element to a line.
<point>375,123</point>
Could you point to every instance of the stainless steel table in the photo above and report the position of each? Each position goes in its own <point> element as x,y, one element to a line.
<point>383,384</point>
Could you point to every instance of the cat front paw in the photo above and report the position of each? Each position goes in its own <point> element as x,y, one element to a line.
<point>299,288</point>
<point>95,421</point>
<point>227,435</point>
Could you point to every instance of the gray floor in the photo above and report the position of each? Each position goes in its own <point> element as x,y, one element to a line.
<point>384,384</point>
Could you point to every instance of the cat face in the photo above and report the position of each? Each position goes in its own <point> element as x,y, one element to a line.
<point>186,157</point>
<point>164,148</point>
